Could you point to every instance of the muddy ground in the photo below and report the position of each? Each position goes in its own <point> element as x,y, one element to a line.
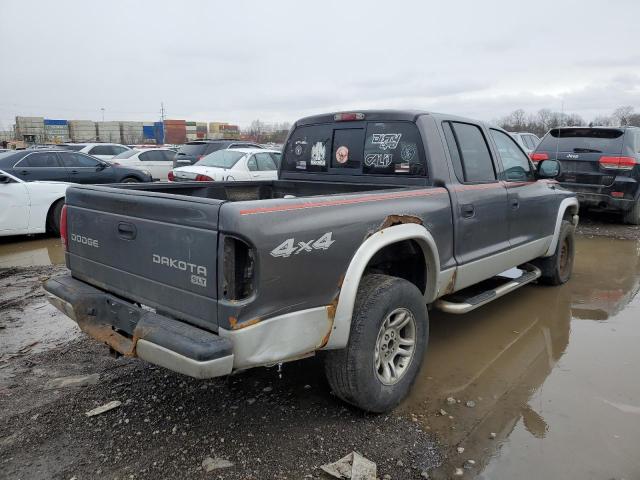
<point>522,388</point>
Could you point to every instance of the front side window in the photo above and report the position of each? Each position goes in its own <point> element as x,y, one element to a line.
<point>476,163</point>
<point>514,161</point>
<point>115,149</point>
<point>152,156</point>
<point>252,164</point>
<point>101,150</point>
<point>40,160</point>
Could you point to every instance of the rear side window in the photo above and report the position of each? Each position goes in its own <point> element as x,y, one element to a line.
<point>469,147</point>
<point>40,160</point>
<point>77,160</point>
<point>583,140</point>
<point>373,148</point>
<point>265,162</point>
<point>103,150</point>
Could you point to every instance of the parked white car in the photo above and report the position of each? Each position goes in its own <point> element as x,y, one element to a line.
<point>30,207</point>
<point>233,164</point>
<point>528,141</point>
<point>157,161</point>
<point>103,151</point>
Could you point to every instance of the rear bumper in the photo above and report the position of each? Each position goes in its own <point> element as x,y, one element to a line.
<point>600,197</point>
<point>136,332</point>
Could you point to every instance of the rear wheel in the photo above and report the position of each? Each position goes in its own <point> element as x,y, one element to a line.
<point>388,338</point>
<point>53,218</point>
<point>557,268</point>
<point>632,217</point>
<point>130,180</point>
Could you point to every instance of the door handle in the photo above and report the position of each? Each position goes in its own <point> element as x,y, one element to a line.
<point>515,204</point>
<point>24,172</point>
<point>467,210</point>
<point>74,171</point>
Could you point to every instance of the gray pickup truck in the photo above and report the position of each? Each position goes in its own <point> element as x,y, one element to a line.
<point>376,217</point>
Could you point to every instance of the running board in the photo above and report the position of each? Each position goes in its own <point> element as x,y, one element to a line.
<point>461,303</point>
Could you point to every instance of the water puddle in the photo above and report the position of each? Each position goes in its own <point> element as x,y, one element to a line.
<point>551,374</point>
<point>26,251</point>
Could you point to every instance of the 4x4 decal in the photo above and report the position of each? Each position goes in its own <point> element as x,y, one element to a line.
<point>289,247</point>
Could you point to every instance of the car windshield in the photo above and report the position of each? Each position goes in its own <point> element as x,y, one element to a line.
<point>583,140</point>
<point>193,149</point>
<point>126,154</point>
<point>221,159</point>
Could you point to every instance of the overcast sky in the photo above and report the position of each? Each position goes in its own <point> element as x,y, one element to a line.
<point>279,60</point>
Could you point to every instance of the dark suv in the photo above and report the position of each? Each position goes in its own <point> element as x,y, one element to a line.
<point>191,152</point>
<point>600,164</point>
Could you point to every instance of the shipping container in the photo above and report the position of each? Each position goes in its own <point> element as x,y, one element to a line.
<point>109,132</point>
<point>158,129</point>
<point>131,132</point>
<point>82,130</point>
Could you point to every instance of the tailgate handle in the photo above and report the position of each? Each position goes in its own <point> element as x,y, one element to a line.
<point>127,230</point>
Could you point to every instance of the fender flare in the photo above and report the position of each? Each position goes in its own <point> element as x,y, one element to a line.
<point>340,330</point>
<point>567,203</point>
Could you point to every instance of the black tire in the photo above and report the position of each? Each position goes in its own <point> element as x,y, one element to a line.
<point>130,180</point>
<point>352,372</point>
<point>53,218</point>
<point>632,217</point>
<point>557,268</point>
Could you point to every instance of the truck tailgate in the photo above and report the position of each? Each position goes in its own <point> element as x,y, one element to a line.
<point>156,249</point>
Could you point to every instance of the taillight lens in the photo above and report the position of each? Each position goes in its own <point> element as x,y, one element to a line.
<point>538,157</point>
<point>63,227</point>
<point>618,163</point>
<point>203,178</point>
<point>171,176</point>
<point>348,117</point>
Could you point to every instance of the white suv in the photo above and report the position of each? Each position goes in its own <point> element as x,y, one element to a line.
<point>103,151</point>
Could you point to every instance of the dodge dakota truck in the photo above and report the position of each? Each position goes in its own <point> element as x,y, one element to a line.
<point>376,216</point>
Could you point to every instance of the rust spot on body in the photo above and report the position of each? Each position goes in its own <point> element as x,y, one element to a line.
<point>106,334</point>
<point>392,220</point>
<point>235,325</point>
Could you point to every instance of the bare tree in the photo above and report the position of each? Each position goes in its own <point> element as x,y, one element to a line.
<point>622,114</point>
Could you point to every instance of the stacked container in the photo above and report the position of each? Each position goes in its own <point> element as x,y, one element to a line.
<point>191,131</point>
<point>30,129</point>
<point>148,132</point>
<point>175,131</point>
<point>158,131</point>
<point>109,132</point>
<point>131,132</point>
<point>56,130</point>
<point>82,130</point>
<point>219,130</point>
<point>201,130</point>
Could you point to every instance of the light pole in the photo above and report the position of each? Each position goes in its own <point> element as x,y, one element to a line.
<point>102,113</point>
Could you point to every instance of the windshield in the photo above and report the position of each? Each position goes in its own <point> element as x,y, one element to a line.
<point>126,154</point>
<point>583,140</point>
<point>221,159</point>
<point>194,149</point>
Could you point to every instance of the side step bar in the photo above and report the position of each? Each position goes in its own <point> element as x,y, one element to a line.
<point>463,304</point>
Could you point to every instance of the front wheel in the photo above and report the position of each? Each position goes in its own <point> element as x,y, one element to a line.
<point>557,268</point>
<point>130,180</point>
<point>388,338</point>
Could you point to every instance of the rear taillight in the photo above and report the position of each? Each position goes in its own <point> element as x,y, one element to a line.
<point>171,176</point>
<point>618,163</point>
<point>203,178</point>
<point>538,157</point>
<point>200,157</point>
<point>63,228</point>
<point>348,117</point>
<point>238,271</point>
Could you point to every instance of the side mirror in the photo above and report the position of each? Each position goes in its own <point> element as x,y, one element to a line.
<point>101,167</point>
<point>548,169</point>
<point>4,178</point>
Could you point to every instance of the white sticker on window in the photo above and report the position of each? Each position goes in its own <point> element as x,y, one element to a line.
<point>386,141</point>
<point>318,154</point>
<point>380,160</point>
<point>408,151</point>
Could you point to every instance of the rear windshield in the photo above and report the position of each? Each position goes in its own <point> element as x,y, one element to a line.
<point>74,148</point>
<point>370,148</point>
<point>126,154</point>
<point>192,149</point>
<point>221,159</point>
<point>583,140</point>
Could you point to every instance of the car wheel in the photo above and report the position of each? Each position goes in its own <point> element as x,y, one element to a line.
<point>557,268</point>
<point>632,217</point>
<point>53,218</point>
<point>388,338</point>
<point>130,180</point>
